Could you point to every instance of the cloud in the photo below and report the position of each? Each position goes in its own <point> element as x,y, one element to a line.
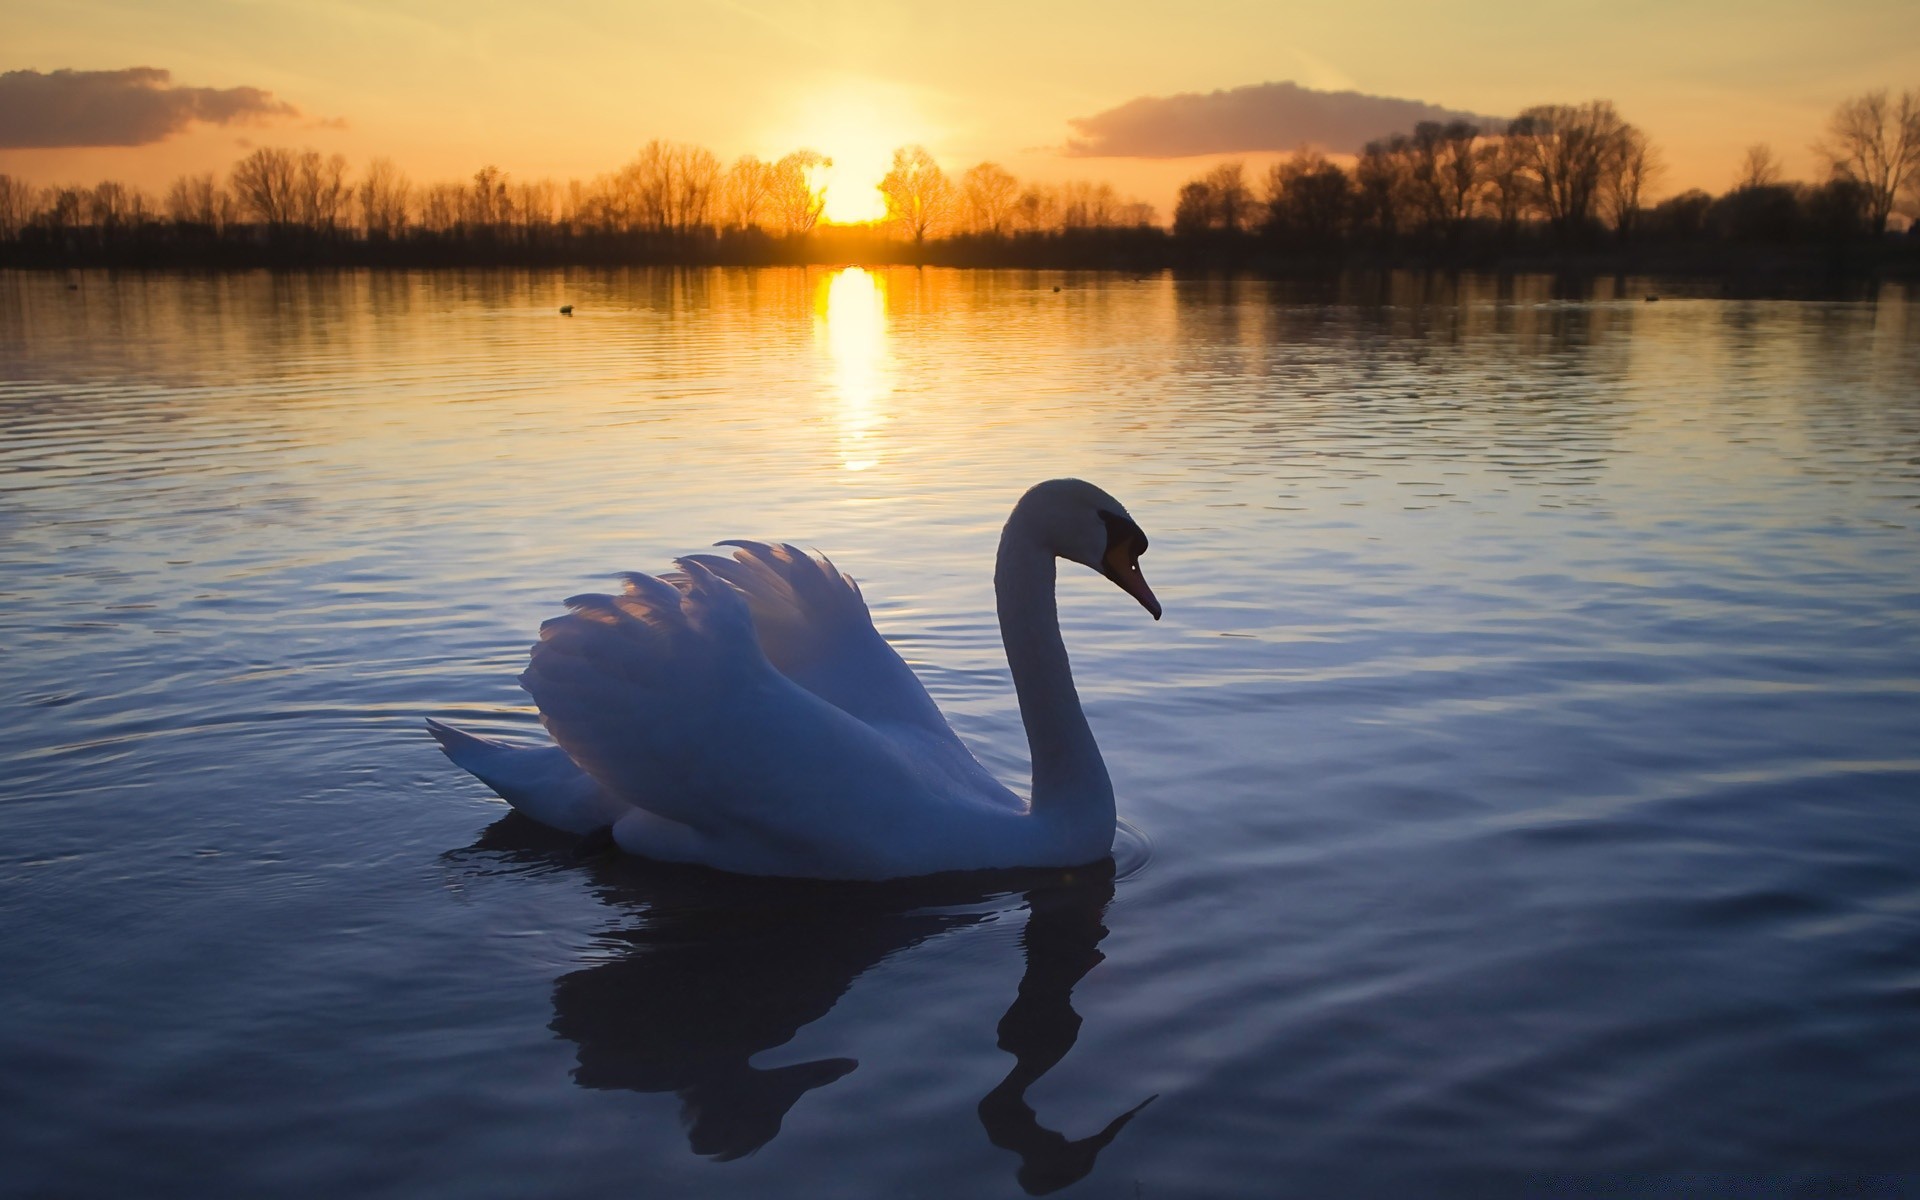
<point>134,107</point>
<point>1261,116</point>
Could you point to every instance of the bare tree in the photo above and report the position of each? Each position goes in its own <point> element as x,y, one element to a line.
<point>668,188</point>
<point>383,196</point>
<point>321,192</point>
<point>1443,174</point>
<point>111,205</point>
<point>643,189</point>
<point>1035,210</point>
<point>264,183</point>
<point>987,193</point>
<point>1571,153</point>
<point>746,192</point>
<point>1505,183</point>
<point>1636,163</point>
<point>16,206</point>
<point>1233,199</point>
<point>486,204</point>
<point>696,184</point>
<point>1874,140</point>
<point>1218,200</point>
<point>440,207</point>
<point>1085,204</point>
<point>798,201</point>
<point>533,204</point>
<point>1308,198</point>
<point>199,200</point>
<point>62,208</point>
<point>1759,168</point>
<point>1382,177</point>
<point>918,193</point>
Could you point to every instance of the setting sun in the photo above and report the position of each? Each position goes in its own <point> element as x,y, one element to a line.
<point>857,124</point>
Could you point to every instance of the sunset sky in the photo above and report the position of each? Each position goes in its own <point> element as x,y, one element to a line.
<point>572,89</point>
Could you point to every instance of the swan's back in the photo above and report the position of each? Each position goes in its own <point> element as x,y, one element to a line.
<point>667,697</point>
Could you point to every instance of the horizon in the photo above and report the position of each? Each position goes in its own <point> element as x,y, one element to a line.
<point>1128,99</point>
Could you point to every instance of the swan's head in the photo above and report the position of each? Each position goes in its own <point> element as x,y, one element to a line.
<point>1079,522</point>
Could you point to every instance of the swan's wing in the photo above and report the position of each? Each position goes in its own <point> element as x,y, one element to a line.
<point>814,627</point>
<point>664,697</point>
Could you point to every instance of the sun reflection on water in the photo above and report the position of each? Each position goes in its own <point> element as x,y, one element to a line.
<point>850,317</point>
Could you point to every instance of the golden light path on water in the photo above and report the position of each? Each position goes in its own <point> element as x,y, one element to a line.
<point>850,320</point>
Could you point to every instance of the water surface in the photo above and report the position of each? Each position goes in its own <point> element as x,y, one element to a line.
<point>1529,760</point>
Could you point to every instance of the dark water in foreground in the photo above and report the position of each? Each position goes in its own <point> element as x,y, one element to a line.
<point>1530,758</point>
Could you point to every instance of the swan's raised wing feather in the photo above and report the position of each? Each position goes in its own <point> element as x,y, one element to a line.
<point>814,627</point>
<point>664,697</point>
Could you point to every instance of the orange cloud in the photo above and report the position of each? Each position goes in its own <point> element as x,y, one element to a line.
<point>132,107</point>
<point>1261,116</point>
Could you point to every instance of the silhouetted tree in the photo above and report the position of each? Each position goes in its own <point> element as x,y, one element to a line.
<point>1636,163</point>
<point>1444,174</point>
<point>667,188</point>
<point>1381,177</point>
<point>1219,201</point>
<point>1036,210</point>
<point>532,203</point>
<point>918,194</point>
<point>440,205</point>
<point>1309,199</point>
<point>1508,191</point>
<point>111,206</point>
<point>485,204</point>
<point>1838,208</point>
<point>747,192</point>
<point>1758,167</point>
<point>1764,213</point>
<point>16,206</point>
<point>1572,152</point>
<point>200,201</point>
<point>383,196</point>
<point>1874,140</point>
<point>264,183</point>
<point>62,208</point>
<point>798,201</point>
<point>1682,217</point>
<point>987,195</point>
<point>321,194</point>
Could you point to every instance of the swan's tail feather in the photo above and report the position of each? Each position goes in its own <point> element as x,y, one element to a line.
<point>540,781</point>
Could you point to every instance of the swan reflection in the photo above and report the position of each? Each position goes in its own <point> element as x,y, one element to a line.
<point>705,978</point>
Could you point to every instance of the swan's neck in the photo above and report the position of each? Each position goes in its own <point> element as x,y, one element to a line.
<point>1069,778</point>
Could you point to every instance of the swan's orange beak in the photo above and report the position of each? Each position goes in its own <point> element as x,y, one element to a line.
<point>1122,565</point>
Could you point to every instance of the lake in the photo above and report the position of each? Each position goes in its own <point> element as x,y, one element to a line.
<point>1523,788</point>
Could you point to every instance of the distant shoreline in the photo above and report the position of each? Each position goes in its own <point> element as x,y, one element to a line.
<point>1834,266</point>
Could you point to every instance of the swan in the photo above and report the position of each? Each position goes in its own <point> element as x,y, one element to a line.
<point>743,713</point>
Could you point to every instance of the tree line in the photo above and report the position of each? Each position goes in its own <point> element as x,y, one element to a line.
<point>669,197</point>
<point>1573,176</point>
<point>1566,176</point>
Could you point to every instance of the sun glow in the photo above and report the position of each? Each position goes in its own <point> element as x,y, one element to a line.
<point>857,124</point>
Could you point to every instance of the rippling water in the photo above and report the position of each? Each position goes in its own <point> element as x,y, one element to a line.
<point>1527,774</point>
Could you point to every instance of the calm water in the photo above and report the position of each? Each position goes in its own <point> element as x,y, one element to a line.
<point>1527,772</point>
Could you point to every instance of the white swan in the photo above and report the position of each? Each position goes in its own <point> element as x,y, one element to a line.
<point>743,713</point>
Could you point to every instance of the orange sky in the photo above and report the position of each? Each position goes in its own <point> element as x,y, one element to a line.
<point>572,89</point>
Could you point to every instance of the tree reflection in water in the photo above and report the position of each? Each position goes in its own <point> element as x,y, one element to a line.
<point>717,969</point>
